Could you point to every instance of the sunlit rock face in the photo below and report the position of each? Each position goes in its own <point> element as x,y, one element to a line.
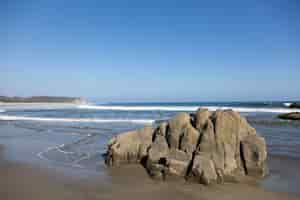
<point>206,147</point>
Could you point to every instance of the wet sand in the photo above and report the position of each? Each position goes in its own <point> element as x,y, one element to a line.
<point>28,182</point>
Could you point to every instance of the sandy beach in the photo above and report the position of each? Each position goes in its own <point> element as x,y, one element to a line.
<point>22,181</point>
<point>42,160</point>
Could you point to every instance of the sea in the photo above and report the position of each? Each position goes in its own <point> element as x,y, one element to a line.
<point>74,137</point>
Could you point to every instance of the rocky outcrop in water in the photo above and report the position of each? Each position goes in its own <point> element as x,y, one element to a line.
<point>290,116</point>
<point>206,147</point>
<point>295,105</point>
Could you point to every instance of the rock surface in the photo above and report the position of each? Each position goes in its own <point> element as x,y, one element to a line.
<point>129,147</point>
<point>295,105</point>
<point>290,116</point>
<point>207,147</point>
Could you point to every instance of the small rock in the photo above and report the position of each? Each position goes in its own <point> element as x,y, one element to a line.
<point>290,116</point>
<point>295,105</point>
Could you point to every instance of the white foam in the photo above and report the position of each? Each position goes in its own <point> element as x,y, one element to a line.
<point>94,120</point>
<point>64,152</point>
<point>287,104</point>
<point>258,110</point>
<point>42,157</point>
<point>140,108</point>
<point>187,108</point>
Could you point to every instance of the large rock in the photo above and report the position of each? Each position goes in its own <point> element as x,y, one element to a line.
<point>208,147</point>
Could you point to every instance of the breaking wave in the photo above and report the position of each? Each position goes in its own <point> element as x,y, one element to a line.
<point>93,120</point>
<point>287,104</point>
<point>258,110</point>
<point>140,108</point>
<point>186,108</point>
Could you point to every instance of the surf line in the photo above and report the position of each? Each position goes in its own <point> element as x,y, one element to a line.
<point>58,148</point>
<point>42,157</point>
<point>64,152</point>
<point>40,154</point>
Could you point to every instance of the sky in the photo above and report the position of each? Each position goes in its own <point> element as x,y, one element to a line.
<point>151,50</point>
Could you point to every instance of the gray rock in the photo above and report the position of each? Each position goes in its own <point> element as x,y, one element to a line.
<point>129,147</point>
<point>210,147</point>
<point>176,127</point>
<point>178,162</point>
<point>295,105</point>
<point>229,129</point>
<point>208,142</point>
<point>203,170</point>
<point>162,129</point>
<point>226,126</point>
<point>157,156</point>
<point>158,149</point>
<point>254,155</point>
<point>202,115</point>
<point>290,116</point>
<point>189,139</point>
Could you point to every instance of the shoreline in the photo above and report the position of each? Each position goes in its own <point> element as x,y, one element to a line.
<point>25,181</point>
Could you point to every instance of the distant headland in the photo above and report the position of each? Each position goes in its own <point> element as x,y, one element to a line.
<point>42,99</point>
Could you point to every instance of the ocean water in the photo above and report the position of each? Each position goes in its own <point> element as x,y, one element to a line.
<point>76,136</point>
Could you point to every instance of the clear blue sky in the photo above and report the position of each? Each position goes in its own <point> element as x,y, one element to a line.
<point>151,50</point>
